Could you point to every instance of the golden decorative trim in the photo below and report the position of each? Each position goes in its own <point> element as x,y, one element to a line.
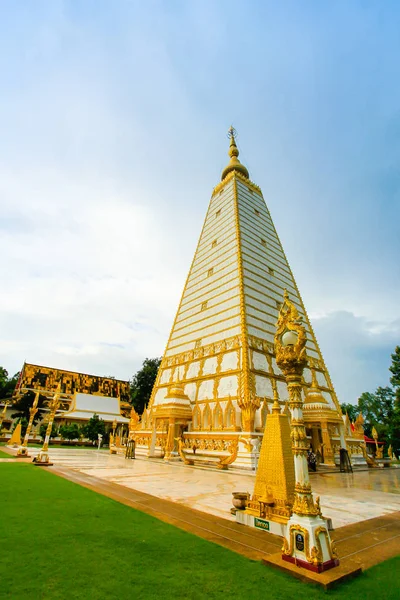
<point>247,400</point>
<point>246,181</point>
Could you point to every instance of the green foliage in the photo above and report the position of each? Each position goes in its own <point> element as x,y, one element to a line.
<point>395,370</point>
<point>378,411</point>
<point>7,384</point>
<point>70,432</point>
<point>142,383</point>
<point>93,428</point>
<point>382,409</point>
<point>43,429</point>
<point>351,410</point>
<point>24,403</point>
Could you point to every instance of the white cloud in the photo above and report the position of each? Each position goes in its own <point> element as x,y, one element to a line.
<point>113,137</point>
<point>356,351</point>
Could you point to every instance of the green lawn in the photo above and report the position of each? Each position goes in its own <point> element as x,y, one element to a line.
<point>59,540</point>
<point>5,455</point>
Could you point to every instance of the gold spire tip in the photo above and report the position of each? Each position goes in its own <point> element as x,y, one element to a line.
<point>234,163</point>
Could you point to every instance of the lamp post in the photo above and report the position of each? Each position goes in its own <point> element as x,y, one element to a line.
<point>307,541</point>
<point>23,450</point>
<point>42,459</point>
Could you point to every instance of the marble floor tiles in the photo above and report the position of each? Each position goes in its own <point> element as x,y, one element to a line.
<point>345,498</point>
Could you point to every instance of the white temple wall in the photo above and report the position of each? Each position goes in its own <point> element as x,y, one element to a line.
<point>259,361</point>
<point>215,295</point>
<point>307,375</point>
<point>208,316</point>
<point>207,335</point>
<point>201,282</point>
<point>193,369</point>
<point>282,390</point>
<point>191,390</point>
<point>160,395</point>
<point>166,376</point>
<point>264,387</point>
<point>321,379</point>
<point>228,386</point>
<point>210,289</point>
<point>230,361</point>
<point>275,367</point>
<point>210,366</point>
<point>206,390</point>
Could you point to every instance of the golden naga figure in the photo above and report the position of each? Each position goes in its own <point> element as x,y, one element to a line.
<point>290,339</point>
<point>134,420</point>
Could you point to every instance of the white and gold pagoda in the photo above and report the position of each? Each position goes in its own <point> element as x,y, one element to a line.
<point>221,346</point>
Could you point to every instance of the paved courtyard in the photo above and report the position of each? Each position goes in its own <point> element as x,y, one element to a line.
<point>346,498</point>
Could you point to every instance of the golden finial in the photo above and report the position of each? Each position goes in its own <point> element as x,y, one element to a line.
<point>234,163</point>
<point>314,382</point>
<point>276,409</point>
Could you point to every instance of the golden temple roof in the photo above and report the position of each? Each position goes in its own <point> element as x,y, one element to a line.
<point>234,163</point>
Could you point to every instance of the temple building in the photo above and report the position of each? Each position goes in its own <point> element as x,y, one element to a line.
<point>220,354</point>
<point>83,396</point>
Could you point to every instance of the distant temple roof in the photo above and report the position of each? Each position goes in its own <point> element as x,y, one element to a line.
<point>85,406</point>
<point>370,440</point>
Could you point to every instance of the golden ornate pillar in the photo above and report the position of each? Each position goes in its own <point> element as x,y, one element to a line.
<point>42,459</point>
<point>307,541</point>
<point>23,450</point>
<point>329,458</point>
<point>170,442</point>
<point>3,413</point>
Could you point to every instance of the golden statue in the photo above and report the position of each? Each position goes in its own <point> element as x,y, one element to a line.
<point>358,425</point>
<point>390,452</point>
<point>134,421</point>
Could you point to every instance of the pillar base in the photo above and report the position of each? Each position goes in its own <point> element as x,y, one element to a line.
<point>244,517</point>
<point>307,543</point>
<point>22,452</point>
<point>42,460</point>
<point>319,568</point>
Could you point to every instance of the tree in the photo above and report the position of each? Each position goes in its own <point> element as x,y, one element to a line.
<point>3,380</point>
<point>142,383</point>
<point>70,432</point>
<point>93,428</point>
<point>43,429</point>
<point>24,403</point>
<point>351,410</point>
<point>7,384</point>
<point>395,370</point>
<point>378,411</point>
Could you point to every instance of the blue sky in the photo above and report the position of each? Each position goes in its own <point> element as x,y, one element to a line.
<point>113,120</point>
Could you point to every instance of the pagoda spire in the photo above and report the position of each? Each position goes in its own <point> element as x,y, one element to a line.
<point>234,163</point>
